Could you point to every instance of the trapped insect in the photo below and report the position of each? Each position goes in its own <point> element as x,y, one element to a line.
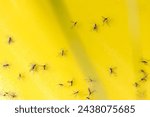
<point>105,20</point>
<point>145,62</point>
<point>91,80</point>
<point>44,66</point>
<point>144,78</point>
<point>63,52</point>
<point>19,76</point>
<point>10,40</point>
<point>13,95</point>
<point>76,92</point>
<point>90,92</point>
<point>88,97</point>
<point>60,84</point>
<point>70,82</point>
<point>6,65</point>
<point>143,71</point>
<point>136,84</point>
<point>95,27</point>
<point>33,67</point>
<point>5,94</point>
<point>74,23</point>
<point>112,70</point>
<point>141,94</point>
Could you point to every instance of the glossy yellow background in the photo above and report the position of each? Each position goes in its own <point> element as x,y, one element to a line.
<point>40,29</point>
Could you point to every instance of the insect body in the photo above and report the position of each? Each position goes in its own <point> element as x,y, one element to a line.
<point>74,23</point>
<point>10,40</point>
<point>63,52</point>
<point>76,92</point>
<point>144,78</point>
<point>6,65</point>
<point>90,92</point>
<point>91,80</point>
<point>44,66</point>
<point>136,84</point>
<point>88,97</point>
<point>13,95</point>
<point>105,20</point>
<point>143,71</point>
<point>33,67</point>
<point>19,76</point>
<point>112,70</point>
<point>70,82</point>
<point>145,62</point>
<point>95,27</point>
<point>60,84</point>
<point>5,94</point>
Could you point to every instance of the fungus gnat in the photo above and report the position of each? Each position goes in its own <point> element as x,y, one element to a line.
<point>105,20</point>
<point>143,71</point>
<point>144,78</point>
<point>76,92</point>
<point>6,65</point>
<point>88,97</point>
<point>70,82</point>
<point>33,67</point>
<point>91,80</point>
<point>44,66</point>
<point>63,52</point>
<point>5,94</point>
<point>136,84</point>
<point>19,76</point>
<point>13,95</point>
<point>145,62</point>
<point>95,27</point>
<point>10,40</point>
<point>74,23</point>
<point>60,84</point>
<point>112,70</point>
<point>90,92</point>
